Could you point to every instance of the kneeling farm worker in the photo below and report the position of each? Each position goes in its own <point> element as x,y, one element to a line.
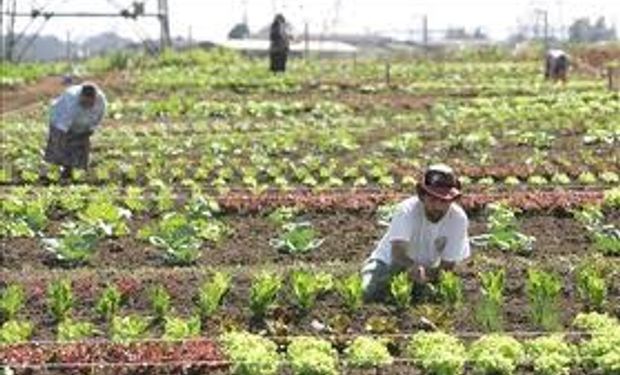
<point>427,234</point>
<point>74,117</point>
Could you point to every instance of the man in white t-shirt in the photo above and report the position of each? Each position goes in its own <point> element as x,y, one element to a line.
<point>428,233</point>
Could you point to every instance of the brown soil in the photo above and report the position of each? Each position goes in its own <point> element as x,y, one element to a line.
<point>349,237</point>
<point>182,284</point>
<point>561,244</point>
<point>21,97</point>
<point>598,56</point>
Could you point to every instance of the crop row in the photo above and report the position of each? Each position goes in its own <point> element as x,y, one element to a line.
<point>322,156</point>
<point>334,162</point>
<point>224,71</point>
<point>299,292</point>
<point>228,70</point>
<point>162,197</point>
<point>37,206</point>
<point>14,75</point>
<point>549,111</point>
<point>184,240</point>
<point>500,116</point>
<point>432,352</point>
<point>302,177</point>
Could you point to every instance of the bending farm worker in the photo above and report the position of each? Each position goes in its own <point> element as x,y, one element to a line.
<point>556,65</point>
<point>74,117</point>
<point>428,233</point>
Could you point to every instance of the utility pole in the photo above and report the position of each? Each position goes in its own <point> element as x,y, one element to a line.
<point>561,19</point>
<point>306,40</point>
<point>10,46</point>
<point>1,30</point>
<point>425,33</point>
<point>545,15</point>
<point>164,20</point>
<point>245,13</point>
<point>69,47</point>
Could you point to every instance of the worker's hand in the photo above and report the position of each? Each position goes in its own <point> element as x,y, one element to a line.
<point>399,254</point>
<point>418,274</point>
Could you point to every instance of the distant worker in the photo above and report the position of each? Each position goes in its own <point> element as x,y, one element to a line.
<point>280,44</point>
<point>427,234</point>
<point>74,117</point>
<point>556,65</point>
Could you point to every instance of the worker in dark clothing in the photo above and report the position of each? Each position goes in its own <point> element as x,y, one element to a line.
<point>556,65</point>
<point>280,43</point>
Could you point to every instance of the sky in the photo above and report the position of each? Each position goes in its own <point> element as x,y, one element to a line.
<point>212,19</point>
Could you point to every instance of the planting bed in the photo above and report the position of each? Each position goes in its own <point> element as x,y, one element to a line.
<point>245,186</point>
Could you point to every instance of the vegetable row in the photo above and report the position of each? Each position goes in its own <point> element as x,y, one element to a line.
<point>244,353</point>
<point>299,291</point>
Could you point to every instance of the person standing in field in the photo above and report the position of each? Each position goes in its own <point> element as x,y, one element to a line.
<point>556,65</point>
<point>280,44</point>
<point>427,234</point>
<point>74,117</point>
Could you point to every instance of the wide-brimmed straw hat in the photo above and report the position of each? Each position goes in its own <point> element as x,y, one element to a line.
<point>440,181</point>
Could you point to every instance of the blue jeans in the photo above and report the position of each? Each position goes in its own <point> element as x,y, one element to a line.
<point>376,277</point>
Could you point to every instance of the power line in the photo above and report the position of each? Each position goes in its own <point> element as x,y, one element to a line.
<point>142,35</point>
<point>31,22</point>
<point>32,39</point>
<point>134,12</point>
<point>36,33</point>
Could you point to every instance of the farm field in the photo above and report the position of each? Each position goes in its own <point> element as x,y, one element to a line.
<point>227,212</point>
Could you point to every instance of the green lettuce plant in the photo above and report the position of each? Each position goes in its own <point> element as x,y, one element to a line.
<point>437,353</point>
<point>60,299</point>
<point>76,244</point>
<point>15,331</point>
<point>367,352</point>
<point>263,292</point>
<point>211,294</point>
<point>306,287</point>
<point>251,354</point>
<point>495,354</point>
<point>12,300</point>
<point>489,309</point>
<point>161,303</point>
<point>503,233</point>
<point>298,238</point>
<point>312,356</point>
<point>450,289</point>
<point>109,303</point>
<point>177,237</point>
<point>181,329</point>
<point>401,288</point>
<point>104,215</point>
<point>129,328</point>
<point>592,287</point>
<point>550,355</point>
<point>543,290</point>
<point>69,330</point>
<point>351,292</point>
